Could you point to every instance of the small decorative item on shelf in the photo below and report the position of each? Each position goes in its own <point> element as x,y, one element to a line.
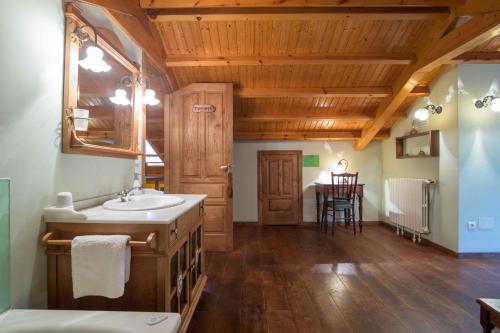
<point>413,131</point>
<point>432,143</point>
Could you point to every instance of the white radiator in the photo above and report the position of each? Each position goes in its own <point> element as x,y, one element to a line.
<point>409,205</point>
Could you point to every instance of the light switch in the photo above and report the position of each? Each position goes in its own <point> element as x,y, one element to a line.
<point>471,225</point>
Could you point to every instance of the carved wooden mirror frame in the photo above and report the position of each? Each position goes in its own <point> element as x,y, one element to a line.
<point>70,141</point>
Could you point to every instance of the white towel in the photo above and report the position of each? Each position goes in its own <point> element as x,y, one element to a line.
<point>100,265</point>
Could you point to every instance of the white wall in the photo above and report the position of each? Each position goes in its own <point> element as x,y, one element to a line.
<point>368,162</point>
<point>444,169</point>
<point>31,56</point>
<point>479,163</point>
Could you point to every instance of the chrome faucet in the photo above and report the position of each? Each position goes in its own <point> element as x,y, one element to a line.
<point>126,194</point>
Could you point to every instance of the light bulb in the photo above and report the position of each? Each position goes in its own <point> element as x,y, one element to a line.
<point>422,114</point>
<point>94,61</point>
<point>120,97</point>
<point>149,97</point>
<point>495,104</point>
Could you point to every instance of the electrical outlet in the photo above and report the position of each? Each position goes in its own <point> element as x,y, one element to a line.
<point>472,225</point>
<point>486,223</point>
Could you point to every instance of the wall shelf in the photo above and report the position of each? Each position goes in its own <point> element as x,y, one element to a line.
<point>433,140</point>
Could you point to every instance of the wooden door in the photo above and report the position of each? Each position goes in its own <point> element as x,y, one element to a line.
<point>201,152</point>
<point>280,187</point>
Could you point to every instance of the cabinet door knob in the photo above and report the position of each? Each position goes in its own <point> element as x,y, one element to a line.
<point>180,284</point>
<point>176,232</point>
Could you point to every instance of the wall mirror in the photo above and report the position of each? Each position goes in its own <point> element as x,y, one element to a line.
<point>155,152</point>
<point>102,89</point>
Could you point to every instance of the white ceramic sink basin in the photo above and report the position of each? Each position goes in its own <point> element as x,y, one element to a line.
<point>144,202</point>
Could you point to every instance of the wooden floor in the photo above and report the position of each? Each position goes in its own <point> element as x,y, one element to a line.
<point>296,279</point>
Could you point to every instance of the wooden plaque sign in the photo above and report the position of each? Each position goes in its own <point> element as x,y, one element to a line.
<point>203,108</point>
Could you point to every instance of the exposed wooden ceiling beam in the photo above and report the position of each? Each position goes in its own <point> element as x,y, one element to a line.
<point>133,21</point>
<point>373,92</point>
<point>296,13</point>
<point>420,91</point>
<point>305,135</point>
<point>477,58</point>
<point>475,7</point>
<point>309,115</point>
<point>478,30</point>
<point>340,59</point>
<point>296,3</point>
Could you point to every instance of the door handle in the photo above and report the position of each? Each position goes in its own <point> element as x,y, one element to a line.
<point>226,168</point>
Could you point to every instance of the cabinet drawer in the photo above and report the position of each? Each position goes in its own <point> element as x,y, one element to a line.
<point>183,224</point>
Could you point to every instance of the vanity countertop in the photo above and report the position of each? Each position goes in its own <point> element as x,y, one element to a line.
<point>99,214</point>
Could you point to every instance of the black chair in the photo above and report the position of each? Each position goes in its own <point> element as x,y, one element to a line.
<point>343,191</point>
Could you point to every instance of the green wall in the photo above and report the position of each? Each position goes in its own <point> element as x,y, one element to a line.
<point>4,244</point>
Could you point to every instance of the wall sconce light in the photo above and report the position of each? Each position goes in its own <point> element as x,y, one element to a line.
<point>149,97</point>
<point>423,113</point>
<point>94,60</point>
<point>341,166</point>
<point>489,101</point>
<point>120,96</point>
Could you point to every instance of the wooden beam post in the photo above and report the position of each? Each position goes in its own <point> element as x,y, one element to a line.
<point>477,58</point>
<point>374,92</point>
<point>310,115</point>
<point>338,59</point>
<point>306,135</point>
<point>296,13</point>
<point>362,92</point>
<point>298,3</point>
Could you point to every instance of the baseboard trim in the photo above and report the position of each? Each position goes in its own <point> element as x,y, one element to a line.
<point>424,240</point>
<point>458,255</point>
<point>478,255</point>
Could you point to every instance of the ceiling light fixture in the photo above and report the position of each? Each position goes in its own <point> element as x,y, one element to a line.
<point>94,60</point>
<point>423,113</point>
<point>492,102</point>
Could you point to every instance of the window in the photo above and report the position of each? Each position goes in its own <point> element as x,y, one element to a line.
<point>152,158</point>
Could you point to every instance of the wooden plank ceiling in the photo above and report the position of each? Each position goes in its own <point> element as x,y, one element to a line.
<point>313,69</point>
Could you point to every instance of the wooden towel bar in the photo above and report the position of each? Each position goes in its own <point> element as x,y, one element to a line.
<point>149,242</point>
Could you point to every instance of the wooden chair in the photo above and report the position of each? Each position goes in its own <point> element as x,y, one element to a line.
<point>343,199</point>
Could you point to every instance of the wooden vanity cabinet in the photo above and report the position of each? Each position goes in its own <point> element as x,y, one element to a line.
<point>169,278</point>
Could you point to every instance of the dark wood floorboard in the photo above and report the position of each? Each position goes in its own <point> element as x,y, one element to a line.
<point>297,279</point>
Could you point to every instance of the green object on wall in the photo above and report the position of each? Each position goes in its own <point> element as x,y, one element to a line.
<point>4,245</point>
<point>310,161</point>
